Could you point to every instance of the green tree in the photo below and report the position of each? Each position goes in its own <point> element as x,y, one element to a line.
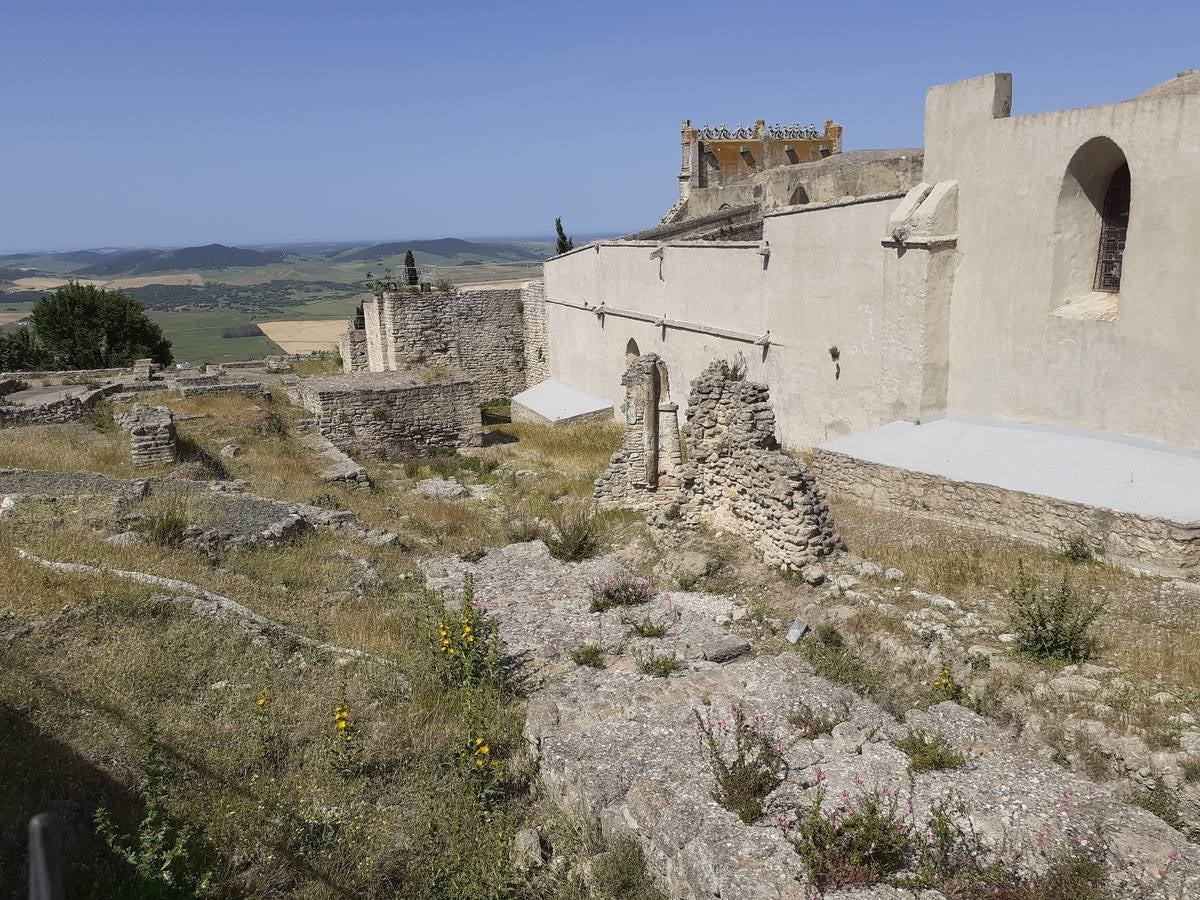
<point>81,326</point>
<point>19,352</point>
<point>410,268</point>
<point>564,243</point>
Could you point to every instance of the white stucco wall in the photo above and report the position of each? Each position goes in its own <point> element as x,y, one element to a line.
<point>1010,358</point>
<point>808,295</point>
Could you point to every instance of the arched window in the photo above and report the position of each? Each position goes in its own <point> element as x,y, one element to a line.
<point>1114,225</point>
<point>631,352</point>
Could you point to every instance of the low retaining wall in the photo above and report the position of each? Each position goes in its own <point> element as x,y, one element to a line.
<point>57,412</point>
<point>386,413</point>
<point>249,388</point>
<point>1141,541</point>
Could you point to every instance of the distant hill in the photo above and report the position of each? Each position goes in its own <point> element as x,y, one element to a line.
<point>444,248</point>
<point>148,262</point>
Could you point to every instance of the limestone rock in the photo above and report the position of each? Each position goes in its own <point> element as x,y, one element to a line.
<point>440,489</point>
<point>230,451</point>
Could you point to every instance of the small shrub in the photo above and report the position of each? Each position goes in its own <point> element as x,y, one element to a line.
<point>347,749</point>
<point>647,628</point>
<point>1159,800</point>
<point>733,371</point>
<point>165,525</point>
<point>860,841</point>
<point>100,418</point>
<point>621,589</point>
<point>753,769</point>
<point>1191,769</point>
<point>473,554</point>
<point>812,723</point>
<point>444,285</point>
<point>619,873</point>
<point>576,535</point>
<point>929,752</point>
<point>326,501</point>
<point>272,425</point>
<point>832,659</point>
<point>945,687</point>
<point>1077,548</point>
<point>160,852</point>
<point>672,513</point>
<point>522,529</point>
<point>1053,625</point>
<point>658,666</point>
<point>589,655</point>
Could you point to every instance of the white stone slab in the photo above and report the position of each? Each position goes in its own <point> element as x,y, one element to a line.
<point>558,403</point>
<point>1109,471</point>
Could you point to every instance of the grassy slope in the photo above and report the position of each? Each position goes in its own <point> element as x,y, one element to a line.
<point>275,816</point>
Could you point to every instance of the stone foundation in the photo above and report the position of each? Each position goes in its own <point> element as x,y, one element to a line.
<point>379,414</point>
<point>55,412</point>
<point>1142,541</point>
<point>151,434</point>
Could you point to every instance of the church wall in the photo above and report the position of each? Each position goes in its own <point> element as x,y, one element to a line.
<point>1011,356</point>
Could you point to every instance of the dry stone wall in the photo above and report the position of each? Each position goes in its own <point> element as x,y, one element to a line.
<point>151,434</point>
<point>353,346</point>
<point>737,477</point>
<point>1143,541</point>
<point>55,412</point>
<point>379,414</point>
<point>477,333</point>
<point>499,337</point>
<point>536,332</point>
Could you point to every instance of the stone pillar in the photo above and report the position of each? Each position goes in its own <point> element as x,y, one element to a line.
<point>143,369</point>
<point>151,434</point>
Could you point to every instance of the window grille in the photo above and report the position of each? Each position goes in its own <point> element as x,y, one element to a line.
<point>1113,229</point>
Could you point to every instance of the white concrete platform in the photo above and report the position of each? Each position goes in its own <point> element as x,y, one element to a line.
<point>1107,471</point>
<point>559,404</point>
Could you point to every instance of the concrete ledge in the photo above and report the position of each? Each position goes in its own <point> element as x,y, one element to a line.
<point>555,403</point>
<point>1142,541</point>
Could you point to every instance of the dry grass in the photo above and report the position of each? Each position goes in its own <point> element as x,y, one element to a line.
<point>1149,628</point>
<point>67,448</point>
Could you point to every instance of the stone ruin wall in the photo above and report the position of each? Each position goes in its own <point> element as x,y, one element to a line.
<point>56,412</point>
<point>498,337</point>
<point>643,472</point>
<point>151,434</point>
<point>378,414</point>
<point>1141,541</point>
<point>536,332</point>
<point>352,345</point>
<point>735,476</point>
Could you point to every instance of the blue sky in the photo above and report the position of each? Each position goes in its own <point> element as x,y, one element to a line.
<point>170,123</point>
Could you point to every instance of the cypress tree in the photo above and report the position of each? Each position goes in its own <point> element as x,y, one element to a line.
<point>564,243</point>
<point>410,268</point>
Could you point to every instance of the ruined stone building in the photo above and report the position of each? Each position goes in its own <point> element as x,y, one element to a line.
<point>1016,307</point>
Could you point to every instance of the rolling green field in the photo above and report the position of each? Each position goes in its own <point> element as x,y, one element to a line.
<point>316,283</point>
